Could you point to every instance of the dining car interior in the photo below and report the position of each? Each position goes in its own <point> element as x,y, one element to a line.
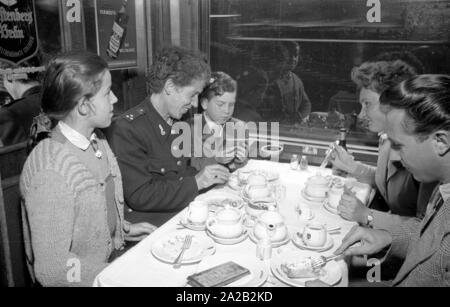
<point>224,143</point>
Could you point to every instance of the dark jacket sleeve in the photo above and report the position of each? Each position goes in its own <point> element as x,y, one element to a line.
<point>11,131</point>
<point>144,188</point>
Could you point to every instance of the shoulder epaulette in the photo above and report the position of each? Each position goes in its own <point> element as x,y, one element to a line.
<point>134,113</point>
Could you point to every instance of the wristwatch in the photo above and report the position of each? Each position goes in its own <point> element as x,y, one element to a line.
<point>369,222</point>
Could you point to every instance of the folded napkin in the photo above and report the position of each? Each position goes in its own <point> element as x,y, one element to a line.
<point>218,276</point>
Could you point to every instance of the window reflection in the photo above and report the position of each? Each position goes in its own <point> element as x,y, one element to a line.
<point>293,59</point>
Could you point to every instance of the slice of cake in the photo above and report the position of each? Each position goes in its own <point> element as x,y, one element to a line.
<point>300,269</point>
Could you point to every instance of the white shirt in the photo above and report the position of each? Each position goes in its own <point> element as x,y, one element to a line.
<point>218,129</point>
<point>75,137</point>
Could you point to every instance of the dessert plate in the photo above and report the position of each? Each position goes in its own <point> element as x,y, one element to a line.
<point>167,248</point>
<point>331,273</point>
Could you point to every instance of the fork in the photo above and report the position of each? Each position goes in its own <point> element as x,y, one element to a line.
<point>322,260</point>
<point>186,245</point>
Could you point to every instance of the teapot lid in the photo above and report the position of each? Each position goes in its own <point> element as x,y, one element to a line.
<point>228,214</point>
<point>272,217</point>
<point>318,179</point>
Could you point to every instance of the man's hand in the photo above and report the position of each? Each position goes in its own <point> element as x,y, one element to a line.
<point>342,160</point>
<point>210,175</point>
<point>137,232</point>
<point>351,208</point>
<point>226,156</point>
<point>372,241</point>
<point>241,152</point>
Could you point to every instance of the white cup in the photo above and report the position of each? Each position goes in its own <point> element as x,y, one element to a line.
<point>197,212</point>
<point>305,213</point>
<point>315,235</point>
<point>334,196</point>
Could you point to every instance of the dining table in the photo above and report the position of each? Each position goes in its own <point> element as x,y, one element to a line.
<point>139,267</point>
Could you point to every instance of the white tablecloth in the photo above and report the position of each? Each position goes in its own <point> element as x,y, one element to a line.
<point>138,267</point>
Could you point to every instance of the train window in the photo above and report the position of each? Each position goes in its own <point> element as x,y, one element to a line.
<point>293,58</point>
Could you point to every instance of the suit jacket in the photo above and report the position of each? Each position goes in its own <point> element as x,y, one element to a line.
<point>396,185</point>
<point>199,162</point>
<point>157,184</point>
<point>16,118</point>
<point>427,257</point>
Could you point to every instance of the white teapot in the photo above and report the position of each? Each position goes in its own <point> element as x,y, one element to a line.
<point>271,223</point>
<point>317,186</point>
<point>227,223</point>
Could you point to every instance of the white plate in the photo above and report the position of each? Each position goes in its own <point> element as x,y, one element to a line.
<point>274,244</point>
<point>215,199</point>
<point>167,248</point>
<point>331,273</point>
<point>329,208</point>
<point>272,176</point>
<point>312,198</point>
<point>196,227</point>
<point>298,241</point>
<point>258,269</point>
<point>227,241</point>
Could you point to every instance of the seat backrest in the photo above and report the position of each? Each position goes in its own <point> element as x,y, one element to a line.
<point>13,264</point>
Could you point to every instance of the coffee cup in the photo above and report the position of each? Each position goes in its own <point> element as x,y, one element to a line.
<point>197,212</point>
<point>335,194</point>
<point>305,213</point>
<point>314,235</point>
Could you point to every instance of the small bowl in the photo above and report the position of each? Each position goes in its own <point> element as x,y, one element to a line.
<point>270,150</point>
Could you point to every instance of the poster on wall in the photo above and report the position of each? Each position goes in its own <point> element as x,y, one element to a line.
<point>116,32</point>
<point>18,31</point>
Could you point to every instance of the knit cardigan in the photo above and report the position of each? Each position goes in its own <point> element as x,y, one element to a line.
<point>66,233</point>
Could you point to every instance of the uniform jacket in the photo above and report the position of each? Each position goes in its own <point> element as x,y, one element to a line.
<point>155,181</point>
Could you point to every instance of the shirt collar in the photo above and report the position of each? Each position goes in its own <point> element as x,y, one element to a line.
<point>213,125</point>
<point>444,189</point>
<point>75,137</point>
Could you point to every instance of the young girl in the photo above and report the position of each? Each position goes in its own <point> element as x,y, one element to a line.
<point>219,128</point>
<point>71,183</point>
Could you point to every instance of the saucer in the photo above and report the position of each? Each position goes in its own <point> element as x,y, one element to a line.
<point>274,244</point>
<point>228,241</point>
<point>331,272</point>
<point>192,226</point>
<point>329,208</point>
<point>312,198</point>
<point>298,241</point>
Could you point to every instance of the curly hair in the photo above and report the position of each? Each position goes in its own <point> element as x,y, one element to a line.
<point>425,99</point>
<point>378,76</point>
<point>219,84</point>
<point>180,65</point>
